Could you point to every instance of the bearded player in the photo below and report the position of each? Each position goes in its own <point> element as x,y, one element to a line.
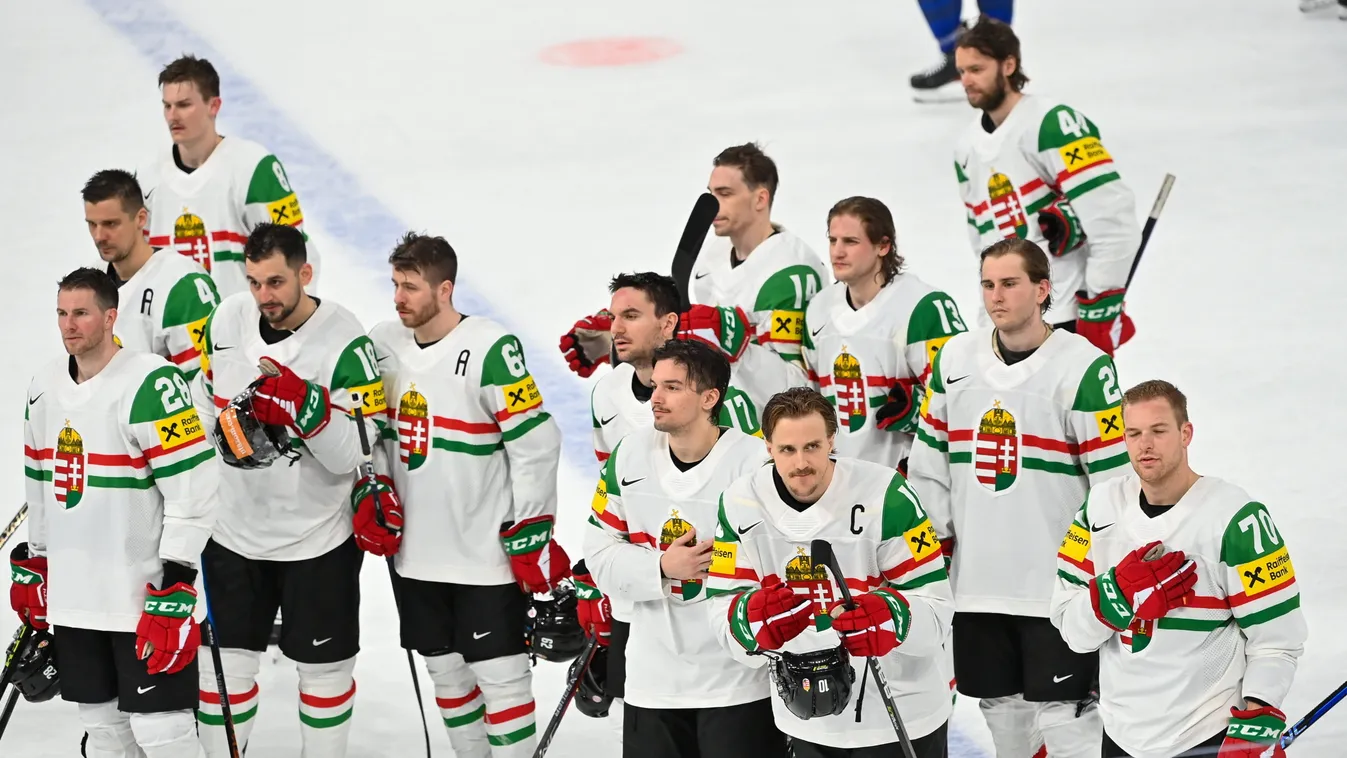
<point>207,192</point>
<point>474,455</point>
<point>1032,168</point>
<point>1020,421</point>
<point>773,600</point>
<point>283,539</point>
<point>869,339</point>
<point>1211,618</point>
<point>121,490</point>
<point>753,295</point>
<point>164,299</point>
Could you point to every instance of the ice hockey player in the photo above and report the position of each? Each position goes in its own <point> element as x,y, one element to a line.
<point>121,490</point>
<point>870,337</point>
<point>283,536</point>
<point>1032,168</point>
<point>164,299</point>
<point>1211,618</point>
<point>649,546</point>
<point>772,601</point>
<point>940,83</point>
<point>473,454</point>
<point>752,296</point>
<point>1020,421</point>
<point>207,192</point>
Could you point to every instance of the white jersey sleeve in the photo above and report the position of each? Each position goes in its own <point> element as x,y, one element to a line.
<point>162,309</point>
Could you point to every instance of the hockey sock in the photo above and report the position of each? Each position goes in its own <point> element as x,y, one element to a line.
<point>943,18</point>
<point>109,731</point>
<point>507,688</point>
<point>1001,10</point>
<point>171,734</point>
<point>1012,724</point>
<point>461,705</point>
<point>240,675</point>
<point>326,701</point>
<point>1069,736</point>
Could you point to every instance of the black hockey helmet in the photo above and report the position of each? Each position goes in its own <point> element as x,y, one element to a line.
<point>554,632</point>
<point>591,698</point>
<point>34,662</point>
<point>243,441</point>
<point>813,685</point>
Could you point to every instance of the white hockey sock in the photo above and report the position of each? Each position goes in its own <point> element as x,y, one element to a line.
<point>507,688</point>
<point>171,734</point>
<point>109,731</point>
<point>1069,736</point>
<point>240,670</point>
<point>1012,724</point>
<point>461,705</point>
<point>326,701</point>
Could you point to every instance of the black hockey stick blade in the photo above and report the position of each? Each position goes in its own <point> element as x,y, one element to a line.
<point>690,244</point>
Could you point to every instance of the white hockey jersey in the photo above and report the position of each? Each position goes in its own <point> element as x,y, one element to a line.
<point>162,309</point>
<point>1041,152</point>
<point>292,511</point>
<point>1167,685</point>
<point>120,477</point>
<point>1005,455</point>
<point>856,356</point>
<point>773,286</point>
<point>882,538</point>
<point>470,447</point>
<point>208,214</point>
<point>643,503</point>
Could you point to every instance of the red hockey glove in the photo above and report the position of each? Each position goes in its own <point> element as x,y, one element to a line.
<point>1254,733</point>
<point>898,413</point>
<point>1138,588</point>
<point>594,610</point>
<point>1101,320</point>
<point>28,593</point>
<point>378,516</point>
<point>878,624</point>
<point>537,560</point>
<point>947,548</point>
<point>770,617</point>
<point>725,329</point>
<point>588,344</point>
<point>1061,227</point>
<point>167,634</point>
<point>287,400</point>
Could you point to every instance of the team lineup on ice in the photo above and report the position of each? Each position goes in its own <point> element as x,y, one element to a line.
<point>851,501</point>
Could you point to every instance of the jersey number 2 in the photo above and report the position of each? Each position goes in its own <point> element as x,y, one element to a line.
<point>173,393</point>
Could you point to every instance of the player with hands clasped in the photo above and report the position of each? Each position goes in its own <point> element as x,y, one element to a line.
<point>869,339</point>
<point>1019,422</point>
<point>282,368</point>
<point>121,489</point>
<point>771,601</point>
<point>473,455</point>
<point>1185,586</point>
<point>649,546</point>
<point>1031,168</point>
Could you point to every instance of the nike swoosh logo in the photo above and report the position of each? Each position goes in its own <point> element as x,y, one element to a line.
<point>143,690</point>
<point>815,332</point>
<point>960,379</point>
<point>32,400</point>
<point>323,641</point>
<point>701,276</point>
<point>626,483</point>
<point>1102,528</point>
<point>477,636</point>
<point>220,348</point>
<point>147,199</point>
<point>605,421</point>
<point>744,529</point>
<point>380,359</point>
<point>1060,679</point>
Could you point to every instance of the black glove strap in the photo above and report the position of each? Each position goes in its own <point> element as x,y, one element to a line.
<point>175,572</point>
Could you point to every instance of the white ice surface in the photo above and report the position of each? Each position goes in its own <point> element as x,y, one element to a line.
<point>547,180</point>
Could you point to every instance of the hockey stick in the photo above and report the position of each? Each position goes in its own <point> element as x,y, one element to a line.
<point>577,670</point>
<point>1158,206</point>
<point>14,525</point>
<point>9,709</point>
<point>1295,730</point>
<point>690,244</point>
<point>226,710</point>
<point>367,473</point>
<point>821,551</point>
